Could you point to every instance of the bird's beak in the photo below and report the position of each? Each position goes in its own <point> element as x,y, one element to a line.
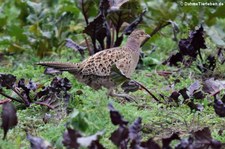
<point>147,36</point>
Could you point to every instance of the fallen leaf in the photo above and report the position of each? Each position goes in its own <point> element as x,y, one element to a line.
<point>167,140</point>
<point>70,137</point>
<point>119,136</point>
<point>9,117</point>
<point>116,117</point>
<point>38,143</point>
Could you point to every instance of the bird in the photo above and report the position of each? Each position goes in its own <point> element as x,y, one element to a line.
<point>97,70</point>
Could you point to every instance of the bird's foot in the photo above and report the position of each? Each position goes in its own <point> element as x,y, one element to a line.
<point>123,96</point>
<point>126,97</point>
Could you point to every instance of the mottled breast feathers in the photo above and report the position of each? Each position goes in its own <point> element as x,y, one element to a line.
<point>100,64</point>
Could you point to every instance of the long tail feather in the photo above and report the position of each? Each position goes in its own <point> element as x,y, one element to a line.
<point>70,67</point>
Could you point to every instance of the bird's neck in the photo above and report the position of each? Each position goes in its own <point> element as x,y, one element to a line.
<point>133,44</point>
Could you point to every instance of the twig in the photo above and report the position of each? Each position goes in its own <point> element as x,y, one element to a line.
<point>215,92</point>
<point>142,86</point>
<point>7,96</point>
<point>5,101</point>
<point>158,28</point>
<point>44,104</point>
<point>200,55</point>
<point>84,13</point>
<point>113,35</point>
<point>88,46</point>
<point>24,100</point>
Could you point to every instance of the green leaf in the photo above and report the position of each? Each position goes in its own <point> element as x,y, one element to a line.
<point>219,13</point>
<point>89,8</point>
<point>217,35</point>
<point>70,8</point>
<point>78,120</point>
<point>35,29</point>
<point>17,32</point>
<point>161,11</point>
<point>3,21</point>
<point>128,12</point>
<point>5,40</point>
<point>35,7</point>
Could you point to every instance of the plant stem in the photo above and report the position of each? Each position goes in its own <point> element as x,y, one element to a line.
<point>88,46</point>
<point>84,13</point>
<point>5,101</point>
<point>158,28</point>
<point>7,96</point>
<point>153,96</point>
<point>24,100</point>
<point>44,104</point>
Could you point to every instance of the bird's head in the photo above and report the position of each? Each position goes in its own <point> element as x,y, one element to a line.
<point>139,36</point>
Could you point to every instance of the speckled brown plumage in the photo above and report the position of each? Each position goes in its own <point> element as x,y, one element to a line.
<point>95,71</point>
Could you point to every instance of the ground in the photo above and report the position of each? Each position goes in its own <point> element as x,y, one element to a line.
<point>158,119</point>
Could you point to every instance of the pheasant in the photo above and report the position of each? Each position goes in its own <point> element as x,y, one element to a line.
<point>96,71</point>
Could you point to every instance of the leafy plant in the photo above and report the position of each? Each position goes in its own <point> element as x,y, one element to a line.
<point>130,136</point>
<point>105,28</point>
<point>47,96</point>
<point>38,26</point>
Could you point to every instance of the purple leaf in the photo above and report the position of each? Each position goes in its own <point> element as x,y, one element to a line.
<point>97,30</point>
<point>191,46</point>
<point>71,44</point>
<point>193,106</point>
<point>7,80</point>
<point>198,95</point>
<point>38,143</point>
<point>166,141</point>
<point>104,6</point>
<point>120,137</point>
<point>184,94</point>
<point>115,5</point>
<point>70,137</point>
<point>185,144</point>
<point>119,41</point>
<point>212,86</point>
<point>174,97</point>
<point>90,140</point>
<point>96,145</point>
<point>194,87</point>
<point>31,85</point>
<point>221,54</point>
<point>135,133</point>
<point>209,64</point>
<point>219,107</point>
<point>116,117</point>
<point>133,25</point>
<point>204,139</point>
<point>150,144</point>
<point>52,71</point>
<point>50,95</point>
<point>9,117</point>
<point>174,59</point>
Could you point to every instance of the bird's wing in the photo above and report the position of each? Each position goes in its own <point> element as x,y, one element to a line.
<point>101,63</point>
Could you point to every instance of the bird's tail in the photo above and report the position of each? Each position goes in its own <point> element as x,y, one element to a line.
<point>70,67</point>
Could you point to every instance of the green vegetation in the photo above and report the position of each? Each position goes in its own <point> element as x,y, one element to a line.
<point>33,31</point>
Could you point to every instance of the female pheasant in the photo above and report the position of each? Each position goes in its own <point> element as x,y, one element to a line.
<point>96,71</point>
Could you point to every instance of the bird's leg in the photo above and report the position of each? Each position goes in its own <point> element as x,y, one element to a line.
<point>125,96</point>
